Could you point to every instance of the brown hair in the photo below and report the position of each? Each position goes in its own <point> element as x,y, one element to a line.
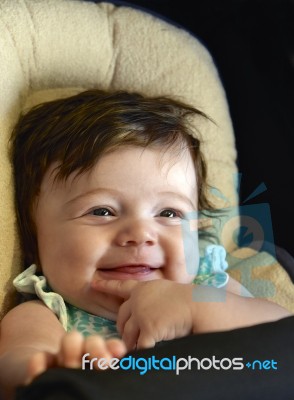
<point>77,130</point>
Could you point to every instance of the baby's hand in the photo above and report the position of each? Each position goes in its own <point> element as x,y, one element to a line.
<point>72,348</point>
<point>152,311</point>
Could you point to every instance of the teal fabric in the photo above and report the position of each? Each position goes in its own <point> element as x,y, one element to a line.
<point>89,324</point>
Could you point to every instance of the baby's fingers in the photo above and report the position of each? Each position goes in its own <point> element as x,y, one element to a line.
<point>116,347</point>
<point>96,348</point>
<point>145,341</point>
<point>99,352</point>
<point>130,334</point>
<point>124,314</point>
<point>71,350</point>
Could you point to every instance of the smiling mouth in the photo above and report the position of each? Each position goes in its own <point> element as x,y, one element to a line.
<point>131,269</point>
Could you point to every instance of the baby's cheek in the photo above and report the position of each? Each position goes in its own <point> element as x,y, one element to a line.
<point>190,250</point>
<point>182,259</point>
<point>63,253</point>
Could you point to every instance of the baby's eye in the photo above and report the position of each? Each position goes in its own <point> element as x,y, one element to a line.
<point>169,213</point>
<point>101,212</point>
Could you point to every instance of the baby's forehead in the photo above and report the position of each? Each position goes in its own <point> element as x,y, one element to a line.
<point>128,167</point>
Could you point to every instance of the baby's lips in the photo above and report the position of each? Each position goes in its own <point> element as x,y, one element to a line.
<point>131,269</point>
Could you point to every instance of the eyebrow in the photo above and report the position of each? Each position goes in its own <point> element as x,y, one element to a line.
<point>116,194</point>
<point>113,192</point>
<point>181,197</point>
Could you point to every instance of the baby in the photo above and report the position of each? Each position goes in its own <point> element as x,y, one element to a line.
<point>104,182</point>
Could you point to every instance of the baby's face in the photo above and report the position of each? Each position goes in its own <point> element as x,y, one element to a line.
<point>121,220</point>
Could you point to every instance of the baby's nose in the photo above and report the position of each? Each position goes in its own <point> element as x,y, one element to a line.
<point>137,233</point>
